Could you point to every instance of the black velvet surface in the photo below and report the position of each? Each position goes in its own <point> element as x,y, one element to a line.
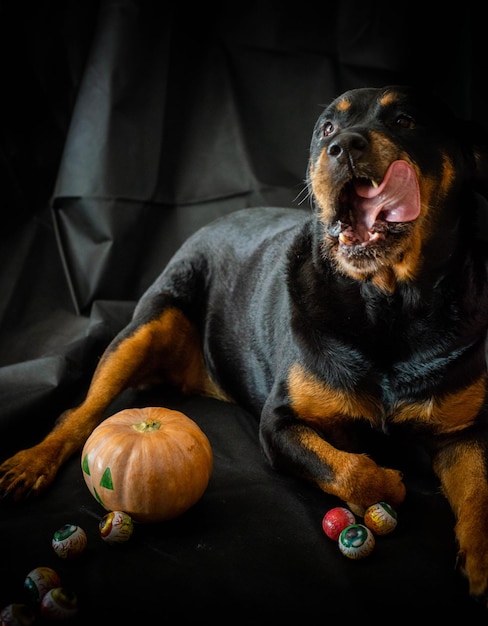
<point>124,126</point>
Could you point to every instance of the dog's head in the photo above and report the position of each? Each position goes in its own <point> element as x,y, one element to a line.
<point>391,174</point>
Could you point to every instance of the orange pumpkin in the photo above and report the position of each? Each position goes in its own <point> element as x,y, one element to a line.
<point>152,463</point>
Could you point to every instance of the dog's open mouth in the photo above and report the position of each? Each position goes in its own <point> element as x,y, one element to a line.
<point>368,209</point>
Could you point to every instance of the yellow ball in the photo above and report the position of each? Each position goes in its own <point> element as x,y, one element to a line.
<point>116,527</point>
<point>381,518</point>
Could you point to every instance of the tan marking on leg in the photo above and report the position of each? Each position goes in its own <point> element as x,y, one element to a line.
<point>317,403</point>
<point>461,469</point>
<point>356,479</point>
<point>449,413</point>
<point>176,356</point>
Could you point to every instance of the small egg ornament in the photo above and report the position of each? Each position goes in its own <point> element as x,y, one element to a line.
<point>380,518</point>
<point>39,581</point>
<point>69,541</point>
<point>17,615</point>
<point>335,520</point>
<point>59,604</point>
<point>356,541</point>
<point>116,527</point>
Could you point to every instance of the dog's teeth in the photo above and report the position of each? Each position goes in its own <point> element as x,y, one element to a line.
<point>375,184</point>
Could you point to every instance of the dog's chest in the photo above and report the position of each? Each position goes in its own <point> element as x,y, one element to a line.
<point>378,342</point>
<point>393,371</point>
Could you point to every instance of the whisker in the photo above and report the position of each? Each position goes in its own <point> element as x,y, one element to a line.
<point>303,195</point>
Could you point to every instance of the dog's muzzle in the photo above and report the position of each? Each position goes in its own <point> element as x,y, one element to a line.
<point>367,208</point>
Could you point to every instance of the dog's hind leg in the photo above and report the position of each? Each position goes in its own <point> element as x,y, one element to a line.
<point>164,348</point>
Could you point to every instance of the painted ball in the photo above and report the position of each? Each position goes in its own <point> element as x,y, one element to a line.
<point>17,614</point>
<point>39,581</point>
<point>381,518</point>
<point>356,541</point>
<point>59,604</point>
<point>335,520</point>
<point>116,527</point>
<point>69,541</point>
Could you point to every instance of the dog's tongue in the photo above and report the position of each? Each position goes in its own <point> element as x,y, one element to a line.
<point>397,199</point>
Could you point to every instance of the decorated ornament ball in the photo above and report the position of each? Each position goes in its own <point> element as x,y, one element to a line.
<point>381,518</point>
<point>356,541</point>
<point>69,541</point>
<point>17,614</point>
<point>335,520</point>
<point>39,581</point>
<point>116,527</point>
<point>59,604</point>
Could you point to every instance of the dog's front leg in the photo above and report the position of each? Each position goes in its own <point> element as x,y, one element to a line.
<point>462,469</point>
<point>292,445</point>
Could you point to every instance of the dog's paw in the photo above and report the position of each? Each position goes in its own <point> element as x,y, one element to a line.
<point>366,483</point>
<point>26,473</point>
<point>472,562</point>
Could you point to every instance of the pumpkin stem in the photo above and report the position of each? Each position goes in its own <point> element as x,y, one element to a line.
<point>146,426</point>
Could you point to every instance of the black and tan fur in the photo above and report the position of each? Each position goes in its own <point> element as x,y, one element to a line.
<point>352,313</point>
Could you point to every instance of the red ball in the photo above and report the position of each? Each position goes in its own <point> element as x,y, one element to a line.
<point>336,520</point>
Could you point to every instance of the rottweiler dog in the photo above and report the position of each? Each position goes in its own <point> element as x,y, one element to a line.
<point>369,308</point>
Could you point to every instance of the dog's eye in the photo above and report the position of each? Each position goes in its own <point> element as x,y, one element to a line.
<point>327,129</point>
<point>405,121</point>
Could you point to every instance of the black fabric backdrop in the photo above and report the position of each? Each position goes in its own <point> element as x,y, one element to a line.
<point>124,126</point>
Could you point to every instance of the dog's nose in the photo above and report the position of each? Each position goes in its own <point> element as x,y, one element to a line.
<point>348,146</point>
